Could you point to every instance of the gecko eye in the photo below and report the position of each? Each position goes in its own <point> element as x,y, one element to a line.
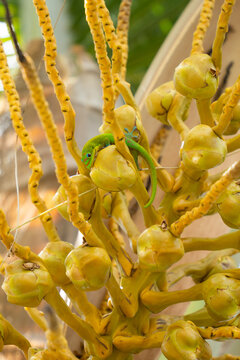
<point>88,155</point>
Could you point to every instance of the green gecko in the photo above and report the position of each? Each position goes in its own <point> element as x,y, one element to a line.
<point>99,142</point>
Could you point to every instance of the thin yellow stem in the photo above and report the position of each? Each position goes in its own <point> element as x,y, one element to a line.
<point>158,301</point>
<point>230,240</point>
<point>205,112</point>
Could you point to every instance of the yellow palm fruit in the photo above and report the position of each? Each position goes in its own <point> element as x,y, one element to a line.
<point>228,205</point>
<point>26,283</point>
<point>195,77</point>
<point>221,294</point>
<point>158,249</point>
<point>86,196</point>
<point>159,101</point>
<point>202,149</point>
<point>125,115</point>
<point>54,255</point>
<point>183,341</point>
<point>111,172</point>
<point>89,268</point>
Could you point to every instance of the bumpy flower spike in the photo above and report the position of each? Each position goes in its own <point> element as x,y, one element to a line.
<point>27,145</point>
<point>227,112</point>
<point>61,171</point>
<point>91,9</point>
<point>111,36</point>
<point>217,109</point>
<point>203,24</point>
<point>122,32</point>
<point>222,28</point>
<point>62,96</point>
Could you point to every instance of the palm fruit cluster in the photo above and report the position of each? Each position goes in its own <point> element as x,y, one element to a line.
<point>136,268</point>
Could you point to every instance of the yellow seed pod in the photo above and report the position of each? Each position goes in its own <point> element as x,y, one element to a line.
<point>195,77</point>
<point>86,196</point>
<point>228,205</point>
<point>159,101</point>
<point>183,341</point>
<point>158,249</point>
<point>125,116</point>
<point>26,283</point>
<point>202,149</point>
<point>111,172</point>
<point>54,255</point>
<point>89,268</point>
<point>221,294</point>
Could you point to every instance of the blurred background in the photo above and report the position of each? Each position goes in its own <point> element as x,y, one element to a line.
<point>150,23</point>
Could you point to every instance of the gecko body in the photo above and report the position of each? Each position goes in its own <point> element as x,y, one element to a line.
<point>101,141</point>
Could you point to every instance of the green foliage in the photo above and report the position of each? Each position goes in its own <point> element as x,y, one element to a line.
<point>149,25</point>
<point>14,10</point>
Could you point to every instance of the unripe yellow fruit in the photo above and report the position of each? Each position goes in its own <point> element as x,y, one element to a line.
<point>221,294</point>
<point>125,116</point>
<point>111,172</point>
<point>183,341</point>
<point>158,249</point>
<point>159,101</point>
<point>195,77</point>
<point>89,268</point>
<point>86,197</point>
<point>26,283</point>
<point>228,206</point>
<point>54,255</point>
<point>202,149</point>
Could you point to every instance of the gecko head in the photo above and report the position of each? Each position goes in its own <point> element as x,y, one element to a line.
<point>86,159</point>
